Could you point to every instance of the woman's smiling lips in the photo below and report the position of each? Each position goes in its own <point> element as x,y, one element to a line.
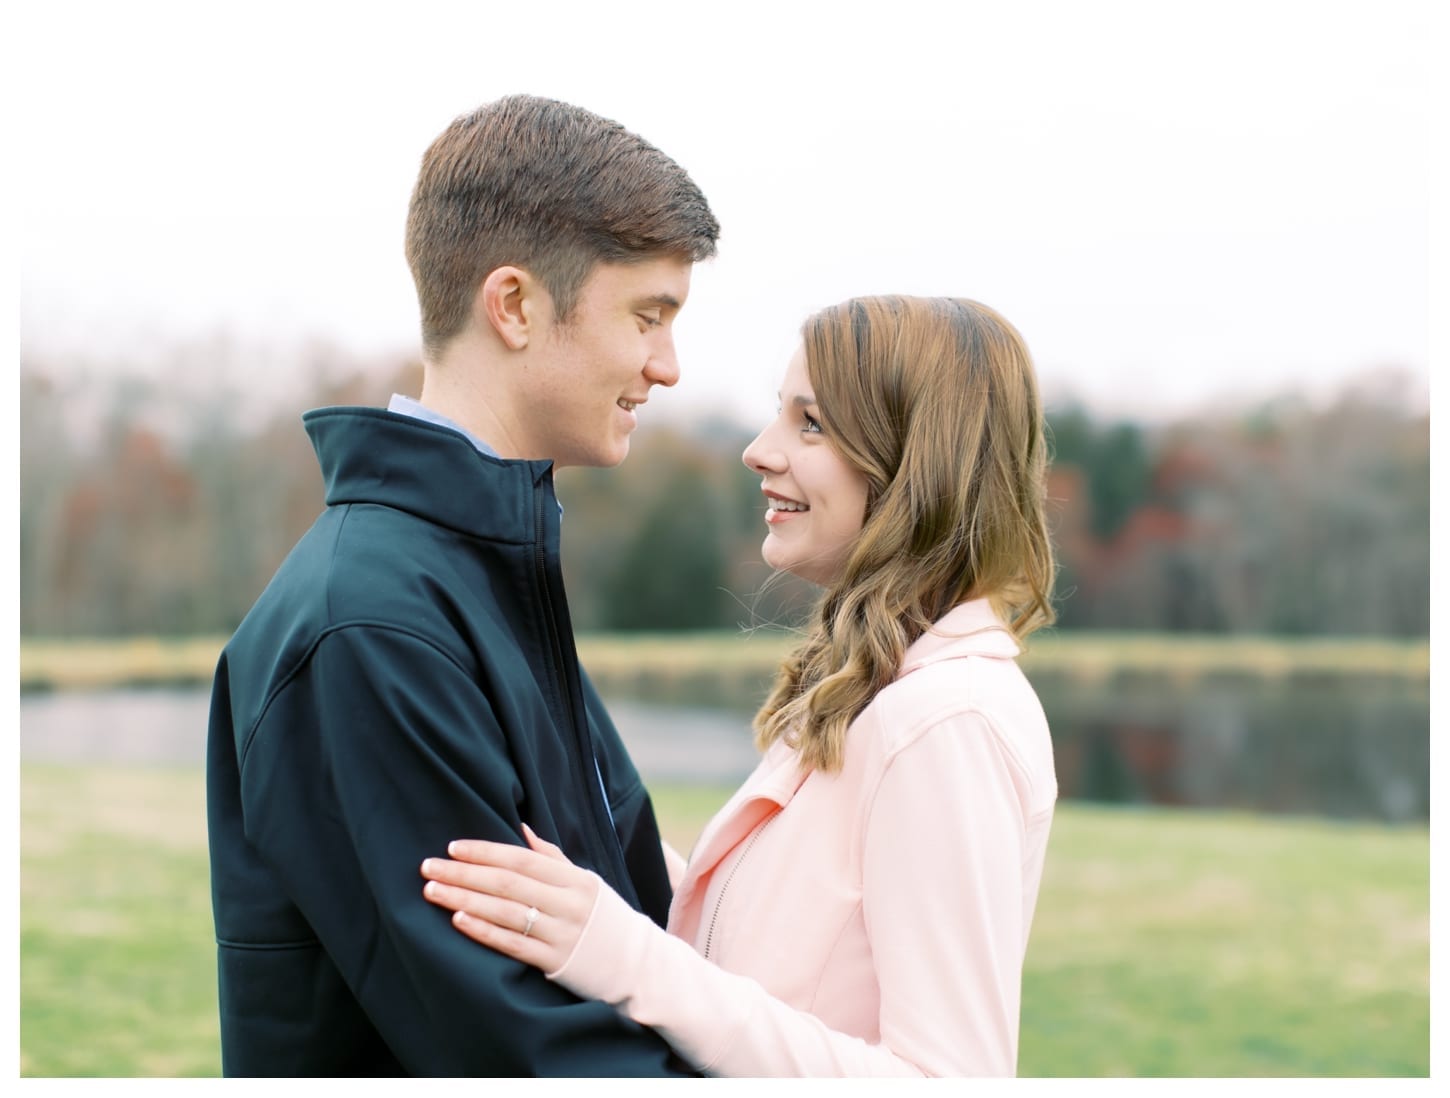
<point>779,508</point>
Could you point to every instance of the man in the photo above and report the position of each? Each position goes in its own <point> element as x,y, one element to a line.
<point>409,675</point>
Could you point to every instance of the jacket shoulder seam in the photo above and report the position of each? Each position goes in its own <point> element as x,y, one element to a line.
<point>286,680</point>
<point>946,709</point>
<point>924,726</point>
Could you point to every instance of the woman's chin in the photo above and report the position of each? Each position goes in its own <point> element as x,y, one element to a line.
<point>775,554</point>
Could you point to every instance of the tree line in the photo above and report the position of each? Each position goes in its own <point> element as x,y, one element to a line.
<point>159,513</point>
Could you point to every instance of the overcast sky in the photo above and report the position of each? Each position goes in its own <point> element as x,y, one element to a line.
<point>1172,201</point>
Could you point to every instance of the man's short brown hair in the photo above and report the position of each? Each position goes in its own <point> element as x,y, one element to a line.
<point>549,187</point>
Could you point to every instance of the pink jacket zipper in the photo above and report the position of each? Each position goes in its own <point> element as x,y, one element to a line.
<point>720,899</point>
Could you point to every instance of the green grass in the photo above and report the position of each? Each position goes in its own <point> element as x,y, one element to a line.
<point>1174,943</point>
<point>117,958</point>
<point>1167,943</point>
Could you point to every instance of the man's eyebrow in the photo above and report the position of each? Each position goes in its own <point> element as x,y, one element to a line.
<point>668,301</point>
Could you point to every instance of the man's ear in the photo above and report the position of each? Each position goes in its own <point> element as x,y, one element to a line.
<point>514,304</point>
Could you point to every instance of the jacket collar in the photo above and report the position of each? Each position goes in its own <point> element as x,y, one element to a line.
<point>968,629</point>
<point>368,455</point>
<point>775,781</point>
<point>768,790</point>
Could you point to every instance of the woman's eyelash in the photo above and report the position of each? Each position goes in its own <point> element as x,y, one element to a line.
<point>812,424</point>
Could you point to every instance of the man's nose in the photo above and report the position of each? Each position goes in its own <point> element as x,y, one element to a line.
<point>663,367</point>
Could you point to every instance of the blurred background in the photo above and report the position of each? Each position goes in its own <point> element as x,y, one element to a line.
<point>1210,224</point>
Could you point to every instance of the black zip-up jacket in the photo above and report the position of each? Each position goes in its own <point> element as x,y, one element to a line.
<point>409,677</point>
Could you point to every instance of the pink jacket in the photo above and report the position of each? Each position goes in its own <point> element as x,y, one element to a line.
<point>867,922</point>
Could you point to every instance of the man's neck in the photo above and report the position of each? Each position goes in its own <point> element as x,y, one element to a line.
<point>459,390</point>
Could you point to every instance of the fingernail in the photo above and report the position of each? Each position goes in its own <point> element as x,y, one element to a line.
<point>427,867</point>
<point>453,849</point>
<point>529,831</point>
<point>430,889</point>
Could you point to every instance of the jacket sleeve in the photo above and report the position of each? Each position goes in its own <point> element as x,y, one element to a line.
<point>943,905</point>
<point>380,751</point>
<point>675,864</point>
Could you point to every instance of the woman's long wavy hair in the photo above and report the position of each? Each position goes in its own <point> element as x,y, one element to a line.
<point>935,402</point>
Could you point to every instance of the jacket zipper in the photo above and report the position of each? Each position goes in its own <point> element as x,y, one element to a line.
<point>561,685</point>
<point>720,899</point>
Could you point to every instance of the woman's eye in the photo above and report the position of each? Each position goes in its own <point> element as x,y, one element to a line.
<point>813,425</point>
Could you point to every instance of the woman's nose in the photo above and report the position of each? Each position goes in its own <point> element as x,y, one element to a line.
<point>762,457</point>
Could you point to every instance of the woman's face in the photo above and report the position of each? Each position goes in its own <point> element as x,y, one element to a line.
<point>815,501</point>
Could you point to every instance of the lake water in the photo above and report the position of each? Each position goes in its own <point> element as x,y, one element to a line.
<point>668,743</point>
<point>1320,745</point>
<point>1348,747</point>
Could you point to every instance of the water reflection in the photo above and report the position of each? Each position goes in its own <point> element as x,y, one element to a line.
<point>1326,744</point>
<point>1329,745</point>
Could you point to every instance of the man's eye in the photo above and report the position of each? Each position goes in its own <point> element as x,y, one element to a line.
<point>650,321</point>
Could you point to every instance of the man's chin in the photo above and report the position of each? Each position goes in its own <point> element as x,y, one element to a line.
<point>603,458</point>
<point>617,454</point>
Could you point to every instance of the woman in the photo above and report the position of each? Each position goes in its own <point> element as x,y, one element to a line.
<point>861,906</point>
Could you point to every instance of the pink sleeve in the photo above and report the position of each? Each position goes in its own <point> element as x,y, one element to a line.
<point>721,1023</point>
<point>943,884</point>
<point>943,906</point>
<point>675,864</point>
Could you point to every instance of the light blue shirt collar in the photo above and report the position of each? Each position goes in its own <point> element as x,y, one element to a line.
<point>407,406</point>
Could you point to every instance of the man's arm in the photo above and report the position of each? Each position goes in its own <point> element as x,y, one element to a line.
<point>380,751</point>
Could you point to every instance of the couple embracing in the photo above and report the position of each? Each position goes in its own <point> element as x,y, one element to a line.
<point>430,851</point>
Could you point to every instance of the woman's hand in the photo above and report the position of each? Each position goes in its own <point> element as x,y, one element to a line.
<point>530,904</point>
